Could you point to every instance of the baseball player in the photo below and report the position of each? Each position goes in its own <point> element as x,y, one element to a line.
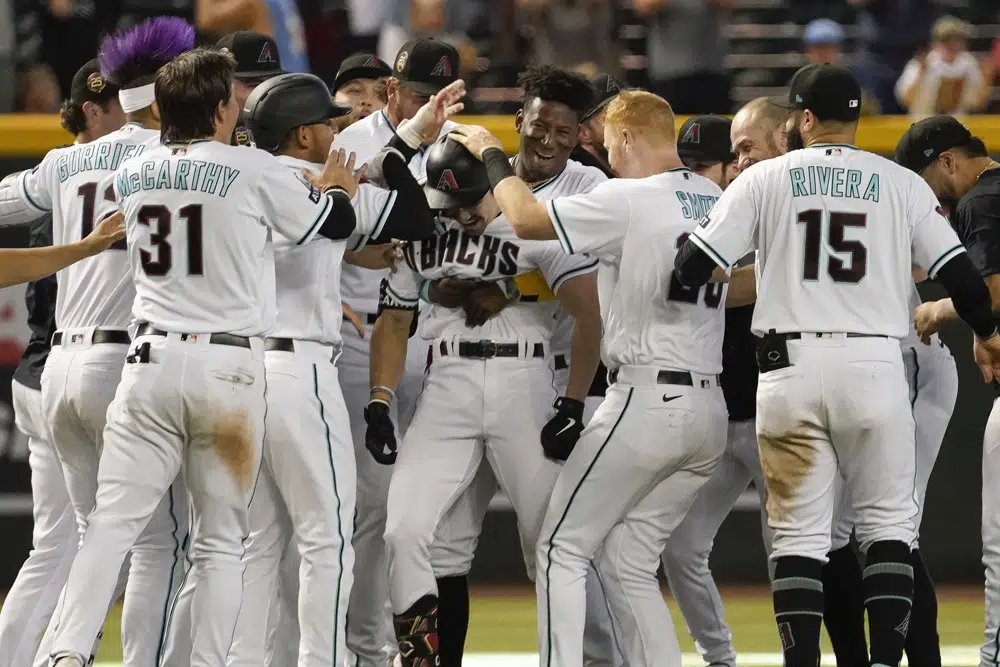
<point>590,150</point>
<point>305,489</point>
<point>621,492</point>
<point>831,393</point>
<point>957,165</point>
<point>422,68</point>
<point>192,390</point>
<point>257,60</point>
<point>361,84</point>
<point>495,369</point>
<point>92,311</point>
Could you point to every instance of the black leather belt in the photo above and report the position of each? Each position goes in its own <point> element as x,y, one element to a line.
<point>820,334</point>
<point>100,336</point>
<point>560,362</point>
<point>279,345</point>
<point>231,340</point>
<point>487,349</point>
<point>663,377</point>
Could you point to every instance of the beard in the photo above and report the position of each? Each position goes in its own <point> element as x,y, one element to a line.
<point>601,152</point>
<point>794,140</point>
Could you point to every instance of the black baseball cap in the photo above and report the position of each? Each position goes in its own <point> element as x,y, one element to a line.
<point>925,140</point>
<point>360,66</point>
<point>256,54</point>
<point>829,91</point>
<point>706,139</point>
<point>607,88</point>
<point>426,65</point>
<point>455,179</point>
<point>89,85</point>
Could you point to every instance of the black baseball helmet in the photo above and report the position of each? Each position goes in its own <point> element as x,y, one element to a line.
<point>285,102</point>
<point>455,179</point>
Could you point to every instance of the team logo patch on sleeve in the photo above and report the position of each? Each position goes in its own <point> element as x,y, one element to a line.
<point>314,194</point>
<point>942,212</point>
<point>704,221</point>
<point>447,181</point>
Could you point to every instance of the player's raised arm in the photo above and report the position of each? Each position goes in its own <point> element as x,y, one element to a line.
<point>726,234</point>
<point>23,265</point>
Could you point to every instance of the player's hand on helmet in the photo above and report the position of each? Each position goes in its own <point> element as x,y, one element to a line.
<point>451,292</point>
<point>475,138</point>
<point>430,118</point>
<point>109,230</point>
<point>338,172</point>
<point>380,436</point>
<point>926,321</point>
<point>484,302</point>
<point>560,434</point>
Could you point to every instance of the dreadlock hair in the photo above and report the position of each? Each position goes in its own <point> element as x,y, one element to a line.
<point>552,84</point>
<point>130,58</point>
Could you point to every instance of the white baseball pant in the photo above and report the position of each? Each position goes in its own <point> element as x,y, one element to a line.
<point>78,385</point>
<point>306,489</point>
<point>370,636</point>
<point>494,412</point>
<point>33,596</point>
<point>989,653</point>
<point>183,402</point>
<point>619,496</point>
<point>841,407</point>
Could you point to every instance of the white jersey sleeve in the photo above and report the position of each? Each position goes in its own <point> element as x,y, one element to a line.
<point>593,222</point>
<point>289,204</point>
<point>729,231</point>
<point>28,194</point>
<point>934,241</point>
<point>557,267</point>
<point>372,206</point>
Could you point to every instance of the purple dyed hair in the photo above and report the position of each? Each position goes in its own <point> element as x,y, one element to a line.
<point>133,54</point>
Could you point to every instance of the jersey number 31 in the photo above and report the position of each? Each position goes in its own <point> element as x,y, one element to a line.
<point>159,220</point>
<point>840,271</point>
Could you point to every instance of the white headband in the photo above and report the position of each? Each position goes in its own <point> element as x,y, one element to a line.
<point>134,99</point>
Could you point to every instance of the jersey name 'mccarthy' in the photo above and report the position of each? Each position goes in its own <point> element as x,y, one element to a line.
<point>489,254</point>
<point>833,182</point>
<point>192,175</point>
<point>103,156</point>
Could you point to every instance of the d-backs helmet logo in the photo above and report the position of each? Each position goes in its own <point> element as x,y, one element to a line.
<point>447,181</point>
<point>95,82</point>
<point>693,134</point>
<point>443,67</point>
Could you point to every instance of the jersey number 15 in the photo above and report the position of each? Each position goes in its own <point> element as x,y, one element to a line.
<point>159,220</point>
<point>841,272</point>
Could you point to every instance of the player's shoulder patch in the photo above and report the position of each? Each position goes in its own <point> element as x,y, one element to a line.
<point>314,193</point>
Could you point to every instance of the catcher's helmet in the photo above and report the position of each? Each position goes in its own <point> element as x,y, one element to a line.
<point>285,102</point>
<point>455,178</point>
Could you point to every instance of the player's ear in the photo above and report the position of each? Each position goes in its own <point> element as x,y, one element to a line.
<point>154,110</point>
<point>518,119</point>
<point>627,139</point>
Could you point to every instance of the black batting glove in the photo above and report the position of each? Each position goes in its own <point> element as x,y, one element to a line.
<point>380,437</point>
<point>560,434</point>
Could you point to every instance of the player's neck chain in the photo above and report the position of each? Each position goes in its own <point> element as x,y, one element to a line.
<point>989,166</point>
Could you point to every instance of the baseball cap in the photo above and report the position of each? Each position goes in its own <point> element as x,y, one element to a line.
<point>829,91</point>
<point>256,54</point>
<point>455,178</point>
<point>823,31</point>
<point>607,88</point>
<point>426,65</point>
<point>360,66</point>
<point>89,85</point>
<point>705,139</point>
<point>925,140</point>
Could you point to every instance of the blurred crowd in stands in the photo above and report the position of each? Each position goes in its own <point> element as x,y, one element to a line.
<point>915,57</point>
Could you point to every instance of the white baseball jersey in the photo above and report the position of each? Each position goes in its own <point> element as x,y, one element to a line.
<point>837,230</point>
<point>198,222</point>
<point>308,275</point>
<point>366,138</point>
<point>75,183</point>
<point>652,319</point>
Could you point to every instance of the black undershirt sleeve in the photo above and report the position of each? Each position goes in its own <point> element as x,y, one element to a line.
<point>977,222</point>
<point>341,221</point>
<point>969,294</point>
<point>411,218</point>
<point>692,266</point>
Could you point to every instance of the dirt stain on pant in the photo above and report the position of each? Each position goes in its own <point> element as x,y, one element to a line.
<point>232,442</point>
<point>786,461</point>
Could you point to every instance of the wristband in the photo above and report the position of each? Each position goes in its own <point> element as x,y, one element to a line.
<point>425,291</point>
<point>376,389</point>
<point>498,167</point>
<point>407,131</point>
<point>382,401</point>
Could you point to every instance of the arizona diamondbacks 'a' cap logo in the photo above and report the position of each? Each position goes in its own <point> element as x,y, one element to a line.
<point>612,85</point>
<point>693,134</point>
<point>95,82</point>
<point>371,62</point>
<point>447,181</point>
<point>443,67</point>
<point>267,54</point>
<point>929,152</point>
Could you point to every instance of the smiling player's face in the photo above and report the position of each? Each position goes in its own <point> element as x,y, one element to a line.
<point>474,220</point>
<point>549,133</point>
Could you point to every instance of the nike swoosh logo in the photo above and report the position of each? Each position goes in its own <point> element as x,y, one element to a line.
<point>571,423</point>
<point>667,399</point>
